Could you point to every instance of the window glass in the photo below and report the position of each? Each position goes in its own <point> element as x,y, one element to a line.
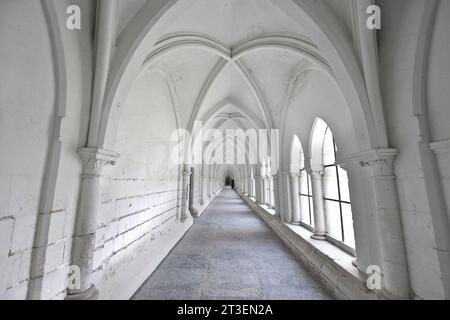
<point>330,183</point>
<point>306,201</point>
<point>333,219</point>
<point>336,194</point>
<point>343,185</point>
<point>349,236</point>
<point>304,204</point>
<point>328,148</point>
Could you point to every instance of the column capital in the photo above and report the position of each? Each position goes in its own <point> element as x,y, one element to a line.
<point>87,153</point>
<point>294,174</point>
<point>186,174</point>
<point>376,154</point>
<point>381,161</point>
<point>284,173</point>
<point>94,159</point>
<point>440,147</point>
<point>316,172</point>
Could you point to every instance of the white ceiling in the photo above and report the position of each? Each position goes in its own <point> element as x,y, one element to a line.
<point>231,23</point>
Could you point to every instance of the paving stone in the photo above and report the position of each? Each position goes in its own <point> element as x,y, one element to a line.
<point>230,254</point>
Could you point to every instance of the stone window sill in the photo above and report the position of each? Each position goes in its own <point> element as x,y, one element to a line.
<point>330,250</point>
<point>338,255</point>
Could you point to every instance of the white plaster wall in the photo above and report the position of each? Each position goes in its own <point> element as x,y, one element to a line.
<point>78,50</point>
<point>139,221</point>
<point>40,171</point>
<point>397,53</point>
<point>439,93</point>
<point>27,96</point>
<point>319,97</point>
<point>439,75</point>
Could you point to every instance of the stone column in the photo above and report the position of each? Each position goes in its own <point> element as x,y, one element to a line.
<point>252,187</point>
<point>388,218</point>
<point>263,189</point>
<point>202,185</point>
<point>185,195</point>
<point>251,191</point>
<point>246,186</point>
<point>202,192</point>
<point>271,195</point>
<point>258,191</point>
<point>284,203</point>
<point>319,206</point>
<point>276,193</point>
<point>265,198</point>
<point>94,160</point>
<point>211,187</point>
<point>296,215</point>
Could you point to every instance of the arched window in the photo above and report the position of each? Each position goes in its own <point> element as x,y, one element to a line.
<point>338,209</point>
<point>306,198</point>
<point>305,191</point>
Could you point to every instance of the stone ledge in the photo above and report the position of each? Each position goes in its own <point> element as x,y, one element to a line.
<point>332,265</point>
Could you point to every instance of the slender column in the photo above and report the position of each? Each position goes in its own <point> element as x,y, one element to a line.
<point>246,186</point>
<point>294,179</point>
<point>394,268</point>
<point>202,185</point>
<point>276,193</point>
<point>252,188</point>
<point>264,190</point>
<point>211,186</point>
<point>258,193</point>
<point>202,192</point>
<point>86,220</point>
<point>284,203</point>
<point>271,195</point>
<point>105,37</point>
<point>319,208</point>
<point>185,195</point>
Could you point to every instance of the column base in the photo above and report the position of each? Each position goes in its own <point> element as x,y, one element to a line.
<point>355,263</point>
<point>184,217</point>
<point>194,212</point>
<point>295,223</point>
<point>90,294</point>
<point>319,236</point>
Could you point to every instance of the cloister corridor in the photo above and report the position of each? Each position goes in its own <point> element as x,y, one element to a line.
<point>230,253</point>
<point>225,149</point>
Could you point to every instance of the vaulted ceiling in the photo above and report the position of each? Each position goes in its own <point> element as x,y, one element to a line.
<point>229,63</point>
<point>223,58</point>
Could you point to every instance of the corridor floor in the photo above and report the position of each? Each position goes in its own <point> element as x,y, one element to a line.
<point>230,253</point>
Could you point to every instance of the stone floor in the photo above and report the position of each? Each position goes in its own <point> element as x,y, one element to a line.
<point>230,253</point>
